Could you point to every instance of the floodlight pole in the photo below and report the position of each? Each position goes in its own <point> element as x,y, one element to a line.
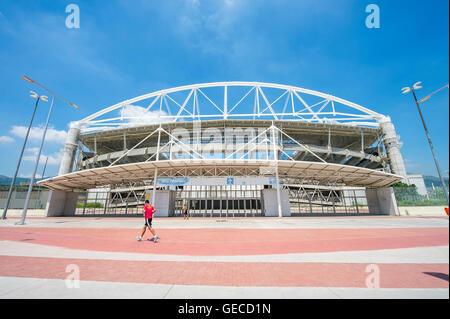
<point>432,148</point>
<point>39,187</point>
<point>20,160</point>
<point>30,186</point>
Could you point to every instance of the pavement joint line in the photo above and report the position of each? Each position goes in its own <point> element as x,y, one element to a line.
<point>335,293</point>
<point>168,290</point>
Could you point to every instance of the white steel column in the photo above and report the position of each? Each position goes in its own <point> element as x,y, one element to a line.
<point>275,157</point>
<point>70,147</point>
<point>157,145</point>
<point>225,103</point>
<point>154,186</point>
<point>392,146</point>
<point>156,168</point>
<point>170,145</point>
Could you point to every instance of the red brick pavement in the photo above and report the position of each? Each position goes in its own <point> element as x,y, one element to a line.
<point>230,273</point>
<point>230,241</point>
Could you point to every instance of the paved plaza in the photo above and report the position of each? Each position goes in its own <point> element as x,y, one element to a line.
<point>307,257</point>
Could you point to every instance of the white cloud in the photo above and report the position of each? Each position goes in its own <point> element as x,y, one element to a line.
<point>53,159</point>
<point>211,25</point>
<point>52,135</point>
<point>138,115</point>
<point>6,139</point>
<point>411,166</point>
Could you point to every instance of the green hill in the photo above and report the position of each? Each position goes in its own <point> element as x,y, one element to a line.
<point>435,180</point>
<point>5,180</point>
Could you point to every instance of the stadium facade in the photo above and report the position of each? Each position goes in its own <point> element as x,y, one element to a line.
<point>230,149</point>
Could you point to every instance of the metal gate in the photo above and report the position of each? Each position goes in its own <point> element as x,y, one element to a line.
<point>220,207</point>
<point>220,201</point>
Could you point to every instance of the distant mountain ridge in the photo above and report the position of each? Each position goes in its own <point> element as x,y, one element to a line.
<point>5,180</point>
<point>429,180</point>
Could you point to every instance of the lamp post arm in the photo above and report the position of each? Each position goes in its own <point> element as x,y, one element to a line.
<point>432,149</point>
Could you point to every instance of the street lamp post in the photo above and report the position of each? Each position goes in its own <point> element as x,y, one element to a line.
<point>417,87</point>
<point>38,98</point>
<point>39,187</point>
<point>30,187</point>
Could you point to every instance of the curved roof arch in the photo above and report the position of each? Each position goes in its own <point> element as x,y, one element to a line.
<point>228,100</point>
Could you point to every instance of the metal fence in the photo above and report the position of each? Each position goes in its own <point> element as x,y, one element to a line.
<point>347,201</point>
<point>408,196</point>
<point>110,203</point>
<point>38,198</point>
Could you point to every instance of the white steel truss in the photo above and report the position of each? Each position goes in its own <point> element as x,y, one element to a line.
<point>270,146</point>
<point>231,100</point>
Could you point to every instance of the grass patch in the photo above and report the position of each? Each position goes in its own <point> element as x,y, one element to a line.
<point>426,202</point>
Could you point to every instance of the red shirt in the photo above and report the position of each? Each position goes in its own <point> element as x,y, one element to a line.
<point>149,210</point>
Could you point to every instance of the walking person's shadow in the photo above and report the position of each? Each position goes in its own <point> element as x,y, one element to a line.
<point>438,275</point>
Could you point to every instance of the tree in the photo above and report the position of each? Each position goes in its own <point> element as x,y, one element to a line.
<point>404,191</point>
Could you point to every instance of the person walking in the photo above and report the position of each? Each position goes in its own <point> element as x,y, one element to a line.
<point>185,212</point>
<point>148,211</point>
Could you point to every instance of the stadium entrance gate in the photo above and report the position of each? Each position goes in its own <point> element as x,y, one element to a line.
<point>220,201</point>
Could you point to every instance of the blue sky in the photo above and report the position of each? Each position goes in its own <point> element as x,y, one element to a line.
<point>127,48</point>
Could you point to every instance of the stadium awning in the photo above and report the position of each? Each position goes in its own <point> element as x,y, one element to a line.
<point>323,173</point>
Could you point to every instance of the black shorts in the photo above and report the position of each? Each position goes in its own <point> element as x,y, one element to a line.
<point>148,222</point>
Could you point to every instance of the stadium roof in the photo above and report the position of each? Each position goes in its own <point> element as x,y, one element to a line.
<point>324,173</point>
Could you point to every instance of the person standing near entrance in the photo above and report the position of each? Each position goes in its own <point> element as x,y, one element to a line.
<point>148,211</point>
<point>185,212</point>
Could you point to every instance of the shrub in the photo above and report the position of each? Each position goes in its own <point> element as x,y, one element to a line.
<point>90,205</point>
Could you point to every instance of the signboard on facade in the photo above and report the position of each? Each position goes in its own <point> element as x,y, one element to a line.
<point>172,181</point>
<point>216,181</point>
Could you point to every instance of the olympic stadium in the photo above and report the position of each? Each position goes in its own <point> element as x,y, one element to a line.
<point>229,149</point>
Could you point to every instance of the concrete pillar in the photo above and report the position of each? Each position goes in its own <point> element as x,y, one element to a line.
<point>61,203</point>
<point>70,148</point>
<point>270,203</point>
<point>392,146</point>
<point>164,203</point>
<point>381,201</point>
